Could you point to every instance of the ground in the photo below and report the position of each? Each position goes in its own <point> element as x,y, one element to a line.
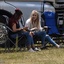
<point>51,55</point>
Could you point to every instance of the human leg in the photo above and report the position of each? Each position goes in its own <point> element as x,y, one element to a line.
<point>29,42</point>
<point>50,40</point>
<point>42,35</point>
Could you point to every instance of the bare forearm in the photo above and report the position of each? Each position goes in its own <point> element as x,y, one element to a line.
<point>25,28</point>
<point>35,28</point>
<point>15,30</point>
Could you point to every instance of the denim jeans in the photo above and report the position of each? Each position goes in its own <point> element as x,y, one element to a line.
<point>44,36</point>
<point>41,35</point>
<point>50,40</point>
<point>29,39</point>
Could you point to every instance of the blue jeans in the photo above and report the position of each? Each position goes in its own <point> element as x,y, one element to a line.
<point>29,40</point>
<point>43,36</point>
<point>50,40</point>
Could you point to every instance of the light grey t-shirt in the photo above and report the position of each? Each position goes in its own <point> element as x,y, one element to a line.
<point>30,25</point>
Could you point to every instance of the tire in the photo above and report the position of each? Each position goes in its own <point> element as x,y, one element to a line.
<point>4,13</point>
<point>3,34</point>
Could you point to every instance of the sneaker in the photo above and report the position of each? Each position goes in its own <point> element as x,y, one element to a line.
<point>58,46</point>
<point>37,49</point>
<point>43,47</point>
<point>31,50</point>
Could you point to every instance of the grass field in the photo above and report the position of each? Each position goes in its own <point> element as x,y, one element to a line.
<point>49,56</point>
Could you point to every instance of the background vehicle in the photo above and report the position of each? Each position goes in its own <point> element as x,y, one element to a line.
<point>26,7</point>
<point>7,8</point>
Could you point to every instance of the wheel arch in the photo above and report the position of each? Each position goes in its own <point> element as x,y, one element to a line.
<point>6,13</point>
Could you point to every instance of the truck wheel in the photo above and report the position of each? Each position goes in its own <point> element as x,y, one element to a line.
<point>3,34</point>
<point>4,13</point>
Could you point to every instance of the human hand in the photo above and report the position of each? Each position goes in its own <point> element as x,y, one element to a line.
<point>31,33</point>
<point>25,28</point>
<point>45,27</point>
<point>35,28</point>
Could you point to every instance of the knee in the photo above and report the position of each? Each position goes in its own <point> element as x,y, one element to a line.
<point>27,34</point>
<point>47,36</point>
<point>43,32</point>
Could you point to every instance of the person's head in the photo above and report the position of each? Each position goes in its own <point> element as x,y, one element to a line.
<point>18,14</point>
<point>34,15</point>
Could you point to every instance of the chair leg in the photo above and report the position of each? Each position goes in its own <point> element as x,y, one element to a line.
<point>16,43</point>
<point>5,46</point>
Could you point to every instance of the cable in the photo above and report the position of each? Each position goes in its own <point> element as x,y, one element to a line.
<point>10,4</point>
<point>15,8</point>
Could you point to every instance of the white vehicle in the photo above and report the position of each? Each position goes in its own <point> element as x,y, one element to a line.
<point>26,7</point>
<point>7,8</point>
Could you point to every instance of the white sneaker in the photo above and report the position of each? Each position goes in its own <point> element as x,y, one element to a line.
<point>58,46</point>
<point>31,50</point>
<point>37,49</point>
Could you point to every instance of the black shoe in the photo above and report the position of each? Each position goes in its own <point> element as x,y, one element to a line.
<point>43,48</point>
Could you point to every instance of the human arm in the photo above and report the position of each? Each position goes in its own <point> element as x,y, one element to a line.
<point>18,29</point>
<point>15,29</point>
<point>33,29</point>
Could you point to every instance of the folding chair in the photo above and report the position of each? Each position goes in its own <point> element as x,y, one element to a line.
<point>50,21</point>
<point>10,41</point>
<point>19,41</point>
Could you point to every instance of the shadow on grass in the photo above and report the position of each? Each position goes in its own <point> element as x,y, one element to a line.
<point>12,50</point>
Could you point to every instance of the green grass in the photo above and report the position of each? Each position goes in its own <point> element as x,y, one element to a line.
<point>50,56</point>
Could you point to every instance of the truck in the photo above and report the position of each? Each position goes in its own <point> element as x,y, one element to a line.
<point>7,9</point>
<point>25,6</point>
